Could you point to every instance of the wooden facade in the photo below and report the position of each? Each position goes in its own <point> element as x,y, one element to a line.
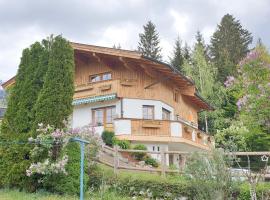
<point>133,76</point>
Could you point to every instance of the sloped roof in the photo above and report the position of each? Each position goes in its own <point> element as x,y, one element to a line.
<point>135,56</point>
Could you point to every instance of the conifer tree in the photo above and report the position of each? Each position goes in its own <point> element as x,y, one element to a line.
<point>177,60</point>
<point>18,118</point>
<point>149,42</point>
<point>54,104</point>
<point>186,52</point>
<point>200,42</point>
<point>229,44</point>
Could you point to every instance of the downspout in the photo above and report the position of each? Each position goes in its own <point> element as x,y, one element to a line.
<point>121,105</point>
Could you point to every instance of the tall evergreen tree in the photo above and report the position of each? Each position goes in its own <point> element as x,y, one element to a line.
<point>229,44</point>
<point>177,60</point>
<point>200,41</point>
<point>149,42</point>
<point>54,104</point>
<point>18,118</point>
<point>186,52</point>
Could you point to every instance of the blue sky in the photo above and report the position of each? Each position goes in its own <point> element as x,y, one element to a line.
<point>110,22</point>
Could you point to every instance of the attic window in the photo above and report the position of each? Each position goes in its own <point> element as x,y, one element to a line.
<point>100,77</point>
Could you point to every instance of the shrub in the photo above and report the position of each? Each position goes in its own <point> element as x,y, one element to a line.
<point>108,137</point>
<point>123,144</point>
<point>68,183</point>
<point>262,190</point>
<point>139,155</point>
<point>151,161</point>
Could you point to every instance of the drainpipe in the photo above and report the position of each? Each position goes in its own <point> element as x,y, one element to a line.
<point>121,103</point>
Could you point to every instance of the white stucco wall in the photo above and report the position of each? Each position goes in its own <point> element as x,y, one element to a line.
<point>150,146</point>
<point>176,129</point>
<point>122,127</point>
<point>82,114</point>
<point>133,108</point>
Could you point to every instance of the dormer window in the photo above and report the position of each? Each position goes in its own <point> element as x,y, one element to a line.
<point>100,77</point>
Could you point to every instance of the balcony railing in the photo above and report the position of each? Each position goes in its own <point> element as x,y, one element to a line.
<point>166,128</point>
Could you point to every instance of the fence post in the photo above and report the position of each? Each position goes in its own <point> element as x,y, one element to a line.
<point>115,159</point>
<point>183,162</point>
<point>163,162</point>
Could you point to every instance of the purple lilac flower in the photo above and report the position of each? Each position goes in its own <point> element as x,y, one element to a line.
<point>252,55</point>
<point>242,101</point>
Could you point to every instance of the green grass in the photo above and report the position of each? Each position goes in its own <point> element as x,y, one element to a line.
<point>17,195</point>
<point>147,176</point>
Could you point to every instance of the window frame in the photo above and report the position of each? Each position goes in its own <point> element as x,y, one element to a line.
<point>152,111</point>
<point>104,115</point>
<point>166,112</point>
<point>101,77</point>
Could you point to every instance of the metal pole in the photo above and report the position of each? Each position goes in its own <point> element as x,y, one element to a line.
<point>82,170</point>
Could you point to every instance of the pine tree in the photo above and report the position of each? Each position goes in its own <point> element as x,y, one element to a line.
<point>177,60</point>
<point>229,44</point>
<point>186,52</point>
<point>200,41</point>
<point>149,42</point>
<point>54,104</point>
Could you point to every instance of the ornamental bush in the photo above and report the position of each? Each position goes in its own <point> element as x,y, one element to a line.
<point>108,137</point>
<point>123,144</point>
<point>151,161</point>
<point>139,155</point>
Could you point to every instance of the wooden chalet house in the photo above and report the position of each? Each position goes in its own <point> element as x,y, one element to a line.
<point>142,100</point>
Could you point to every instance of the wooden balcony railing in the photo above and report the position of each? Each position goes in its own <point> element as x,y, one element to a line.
<point>161,128</point>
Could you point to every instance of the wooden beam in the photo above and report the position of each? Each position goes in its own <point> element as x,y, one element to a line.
<point>126,64</point>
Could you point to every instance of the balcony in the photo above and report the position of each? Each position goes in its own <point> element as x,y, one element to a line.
<point>96,88</point>
<point>162,131</point>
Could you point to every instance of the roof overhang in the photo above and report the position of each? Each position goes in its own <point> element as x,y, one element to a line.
<point>149,65</point>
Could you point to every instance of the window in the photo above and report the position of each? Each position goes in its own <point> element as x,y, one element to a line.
<point>158,149</point>
<point>110,114</point>
<point>166,115</point>
<point>100,77</point>
<point>107,76</point>
<point>98,116</point>
<point>148,112</point>
<point>175,96</point>
<point>153,148</point>
<point>104,115</point>
<point>95,78</point>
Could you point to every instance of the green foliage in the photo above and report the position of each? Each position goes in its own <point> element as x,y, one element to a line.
<point>210,176</point>
<point>262,191</point>
<point>54,103</point>
<point>151,161</point>
<point>177,59</point>
<point>108,137</point>
<point>149,42</point>
<point>145,185</point>
<point>18,118</point>
<point>232,138</point>
<point>203,74</point>
<point>68,184</point>
<point>123,144</point>
<point>229,44</point>
<point>139,155</point>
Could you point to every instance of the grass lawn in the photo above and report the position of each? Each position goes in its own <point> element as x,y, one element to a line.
<point>17,195</point>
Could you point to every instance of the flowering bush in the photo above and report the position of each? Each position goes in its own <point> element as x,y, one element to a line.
<point>55,155</point>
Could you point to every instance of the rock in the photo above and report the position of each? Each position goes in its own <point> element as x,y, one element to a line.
<point>141,163</point>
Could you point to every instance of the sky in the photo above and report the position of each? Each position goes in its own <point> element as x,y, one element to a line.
<point>109,22</point>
